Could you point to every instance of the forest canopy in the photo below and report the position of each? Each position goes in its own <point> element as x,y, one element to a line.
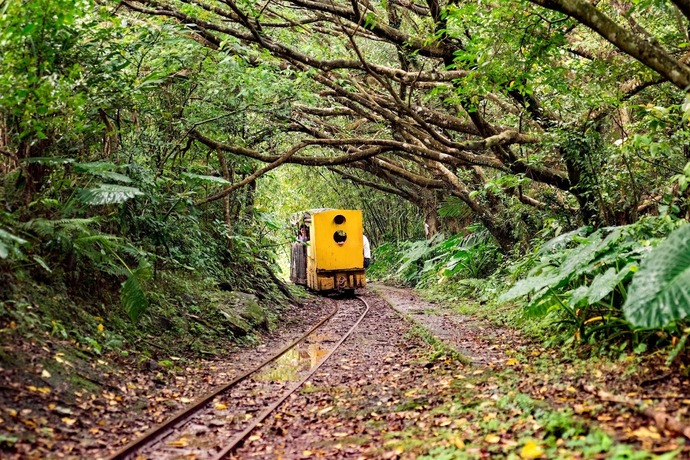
<point>512,107</point>
<point>124,122</point>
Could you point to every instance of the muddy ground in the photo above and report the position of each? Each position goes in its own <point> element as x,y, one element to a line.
<point>414,381</point>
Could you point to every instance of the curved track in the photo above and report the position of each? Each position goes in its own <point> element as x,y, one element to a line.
<point>213,425</point>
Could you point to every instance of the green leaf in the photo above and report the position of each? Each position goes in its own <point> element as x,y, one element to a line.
<point>202,178</point>
<point>104,169</point>
<point>42,263</point>
<point>7,236</point>
<point>605,283</point>
<point>660,291</point>
<point>108,194</point>
<point>48,160</point>
<point>527,285</point>
<point>133,294</point>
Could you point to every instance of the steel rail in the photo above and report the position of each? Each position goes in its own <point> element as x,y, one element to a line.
<point>157,432</point>
<point>237,439</point>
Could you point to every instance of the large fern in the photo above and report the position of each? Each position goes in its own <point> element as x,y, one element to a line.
<point>104,252</point>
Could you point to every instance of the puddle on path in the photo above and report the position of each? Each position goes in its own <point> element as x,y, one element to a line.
<point>301,358</point>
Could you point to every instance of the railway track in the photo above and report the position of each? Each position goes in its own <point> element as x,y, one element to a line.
<point>215,424</point>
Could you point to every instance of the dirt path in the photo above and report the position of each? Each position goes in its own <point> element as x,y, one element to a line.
<point>389,392</point>
<point>387,395</point>
<point>477,340</point>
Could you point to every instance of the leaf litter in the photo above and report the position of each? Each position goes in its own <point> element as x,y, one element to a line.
<point>391,392</point>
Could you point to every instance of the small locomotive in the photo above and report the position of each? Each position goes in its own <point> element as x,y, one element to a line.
<point>328,256</point>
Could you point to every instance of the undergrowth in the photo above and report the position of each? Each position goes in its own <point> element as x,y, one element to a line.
<point>570,289</point>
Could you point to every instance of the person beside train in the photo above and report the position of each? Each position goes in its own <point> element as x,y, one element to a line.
<point>367,251</point>
<point>303,234</point>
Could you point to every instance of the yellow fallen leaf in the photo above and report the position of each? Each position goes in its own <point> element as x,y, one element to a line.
<point>221,406</point>
<point>101,328</point>
<point>45,374</point>
<point>340,435</point>
<point>182,442</point>
<point>531,450</point>
<point>325,410</point>
<point>458,442</point>
<point>492,438</point>
<point>184,400</point>
<point>512,362</point>
<point>68,421</point>
<point>306,453</point>
<point>44,390</point>
<point>254,437</point>
<point>646,433</point>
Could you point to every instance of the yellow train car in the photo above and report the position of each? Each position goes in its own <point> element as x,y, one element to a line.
<point>329,253</point>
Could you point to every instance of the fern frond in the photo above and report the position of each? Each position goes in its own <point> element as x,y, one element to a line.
<point>132,294</point>
<point>454,207</point>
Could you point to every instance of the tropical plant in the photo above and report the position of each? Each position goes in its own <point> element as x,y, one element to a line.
<point>660,291</point>
<point>582,277</point>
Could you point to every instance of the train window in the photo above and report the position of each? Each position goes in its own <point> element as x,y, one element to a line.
<point>339,219</point>
<point>339,236</point>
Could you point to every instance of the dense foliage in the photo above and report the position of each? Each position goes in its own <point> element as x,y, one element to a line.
<point>147,141</point>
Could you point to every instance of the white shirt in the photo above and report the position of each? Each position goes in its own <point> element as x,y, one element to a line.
<point>367,248</point>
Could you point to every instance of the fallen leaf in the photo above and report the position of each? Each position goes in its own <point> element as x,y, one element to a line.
<point>458,442</point>
<point>45,374</point>
<point>182,442</point>
<point>492,438</point>
<point>531,450</point>
<point>512,362</point>
<point>101,328</point>
<point>325,410</point>
<point>221,406</point>
<point>646,433</point>
<point>68,421</point>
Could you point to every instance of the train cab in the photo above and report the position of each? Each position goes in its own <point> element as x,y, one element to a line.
<point>328,254</point>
